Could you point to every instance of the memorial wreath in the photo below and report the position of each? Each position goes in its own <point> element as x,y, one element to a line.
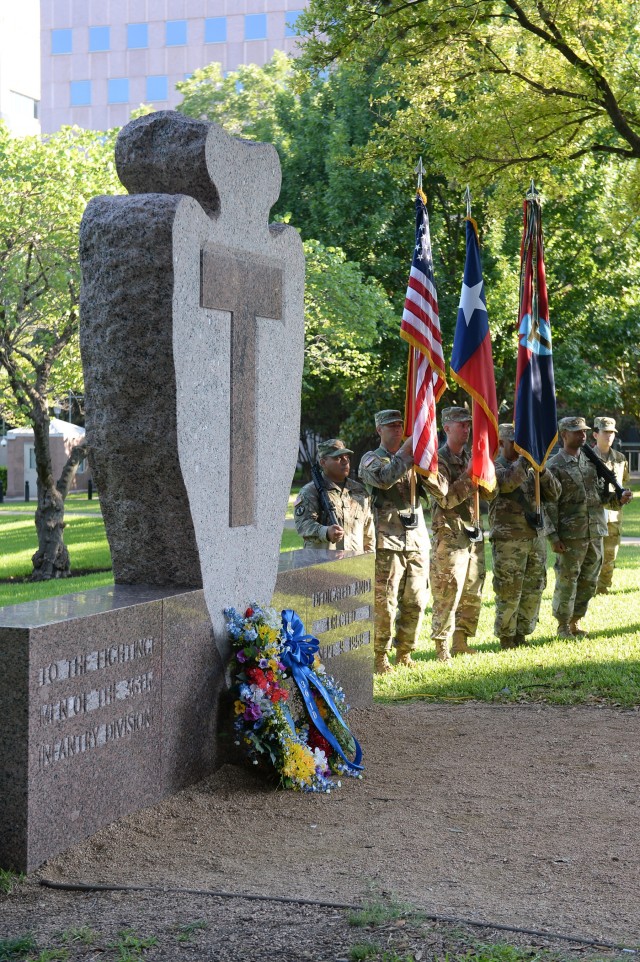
<point>288,710</point>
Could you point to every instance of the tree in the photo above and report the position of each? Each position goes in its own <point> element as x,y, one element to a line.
<point>45,183</point>
<point>498,84</point>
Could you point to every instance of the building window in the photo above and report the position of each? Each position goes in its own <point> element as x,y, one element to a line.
<point>99,39</point>
<point>80,93</point>
<point>61,41</point>
<point>176,34</point>
<point>32,459</point>
<point>118,91</point>
<point>215,30</point>
<point>290,23</point>
<point>157,88</point>
<point>137,36</point>
<point>82,466</point>
<point>255,26</point>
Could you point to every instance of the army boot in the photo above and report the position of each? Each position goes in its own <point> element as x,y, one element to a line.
<point>508,641</point>
<point>459,645</point>
<point>564,631</point>
<point>404,658</point>
<point>576,630</point>
<point>382,664</point>
<point>520,640</point>
<point>442,651</point>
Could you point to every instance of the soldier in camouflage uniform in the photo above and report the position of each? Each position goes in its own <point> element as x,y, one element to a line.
<point>458,566</point>
<point>604,431</point>
<point>519,548</point>
<point>575,526</point>
<point>349,500</point>
<point>402,551</point>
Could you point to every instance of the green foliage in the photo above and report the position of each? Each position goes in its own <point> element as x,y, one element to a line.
<point>187,931</point>
<point>83,934</point>
<point>3,477</point>
<point>363,950</point>
<point>130,947</point>
<point>46,184</point>
<point>9,879</point>
<point>12,949</point>
<point>380,911</point>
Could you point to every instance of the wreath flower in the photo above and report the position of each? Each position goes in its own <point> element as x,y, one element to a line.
<point>274,664</point>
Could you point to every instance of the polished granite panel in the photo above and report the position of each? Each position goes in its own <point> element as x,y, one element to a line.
<point>82,604</point>
<point>95,724</point>
<point>14,746</point>
<point>193,681</point>
<point>333,593</point>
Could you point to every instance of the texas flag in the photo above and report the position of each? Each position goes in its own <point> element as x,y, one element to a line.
<point>472,364</point>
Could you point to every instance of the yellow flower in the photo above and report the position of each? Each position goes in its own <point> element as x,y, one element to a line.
<point>273,664</point>
<point>299,763</point>
<point>238,707</point>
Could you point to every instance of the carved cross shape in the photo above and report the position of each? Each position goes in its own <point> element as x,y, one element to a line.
<point>247,288</point>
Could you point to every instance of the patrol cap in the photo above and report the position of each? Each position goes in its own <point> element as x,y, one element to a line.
<point>572,424</point>
<point>455,414</point>
<point>387,416</point>
<point>506,432</point>
<point>604,424</point>
<point>332,448</point>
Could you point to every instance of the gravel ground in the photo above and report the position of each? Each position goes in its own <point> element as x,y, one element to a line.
<point>523,816</point>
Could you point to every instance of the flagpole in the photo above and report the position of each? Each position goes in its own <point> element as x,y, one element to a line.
<point>419,171</point>
<point>531,198</point>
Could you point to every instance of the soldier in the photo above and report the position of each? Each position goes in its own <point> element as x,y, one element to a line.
<point>518,546</point>
<point>402,544</point>
<point>604,431</point>
<point>575,526</point>
<point>457,563</point>
<point>349,500</point>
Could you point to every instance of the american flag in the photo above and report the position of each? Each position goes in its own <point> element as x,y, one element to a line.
<point>421,328</point>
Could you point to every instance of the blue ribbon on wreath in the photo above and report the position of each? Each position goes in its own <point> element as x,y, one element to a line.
<point>297,655</point>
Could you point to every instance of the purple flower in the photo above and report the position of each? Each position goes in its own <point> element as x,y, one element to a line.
<point>241,656</point>
<point>252,712</point>
<point>263,663</point>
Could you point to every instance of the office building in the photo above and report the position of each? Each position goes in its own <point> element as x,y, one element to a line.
<point>103,58</point>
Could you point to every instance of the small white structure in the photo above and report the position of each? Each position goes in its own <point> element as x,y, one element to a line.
<point>21,457</point>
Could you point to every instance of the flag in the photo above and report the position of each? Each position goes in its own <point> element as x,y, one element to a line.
<point>535,418</point>
<point>472,363</point>
<point>421,328</point>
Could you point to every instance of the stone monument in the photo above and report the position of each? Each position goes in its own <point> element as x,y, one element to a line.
<point>192,342</point>
<point>192,345</point>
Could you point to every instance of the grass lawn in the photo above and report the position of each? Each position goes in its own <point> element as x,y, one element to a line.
<point>602,669</point>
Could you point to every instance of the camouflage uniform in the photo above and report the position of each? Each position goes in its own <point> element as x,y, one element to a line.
<point>519,550</point>
<point>617,463</point>
<point>457,564</point>
<point>352,508</point>
<point>402,555</point>
<point>578,520</point>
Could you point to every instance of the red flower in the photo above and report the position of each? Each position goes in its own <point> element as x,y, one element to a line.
<point>248,612</point>
<point>316,740</point>
<point>257,677</point>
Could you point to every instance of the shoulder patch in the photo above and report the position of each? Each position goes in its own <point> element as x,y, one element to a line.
<point>367,460</point>
<point>298,501</point>
<point>300,510</point>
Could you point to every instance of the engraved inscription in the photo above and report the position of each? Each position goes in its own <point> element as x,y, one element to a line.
<point>71,745</point>
<point>344,645</point>
<point>343,591</point>
<point>94,661</point>
<point>97,698</point>
<point>340,620</point>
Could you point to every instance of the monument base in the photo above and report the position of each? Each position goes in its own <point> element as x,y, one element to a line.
<point>111,697</point>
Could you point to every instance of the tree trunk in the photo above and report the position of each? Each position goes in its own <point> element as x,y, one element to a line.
<point>51,560</point>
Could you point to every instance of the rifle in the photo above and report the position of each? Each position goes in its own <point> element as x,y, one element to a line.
<point>325,504</point>
<point>603,471</point>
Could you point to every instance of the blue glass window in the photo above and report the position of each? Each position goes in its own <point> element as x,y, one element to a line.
<point>118,91</point>
<point>157,88</point>
<point>176,35</point>
<point>137,36</point>
<point>80,93</point>
<point>61,41</point>
<point>290,22</point>
<point>255,26</point>
<point>215,30</point>
<point>99,39</point>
